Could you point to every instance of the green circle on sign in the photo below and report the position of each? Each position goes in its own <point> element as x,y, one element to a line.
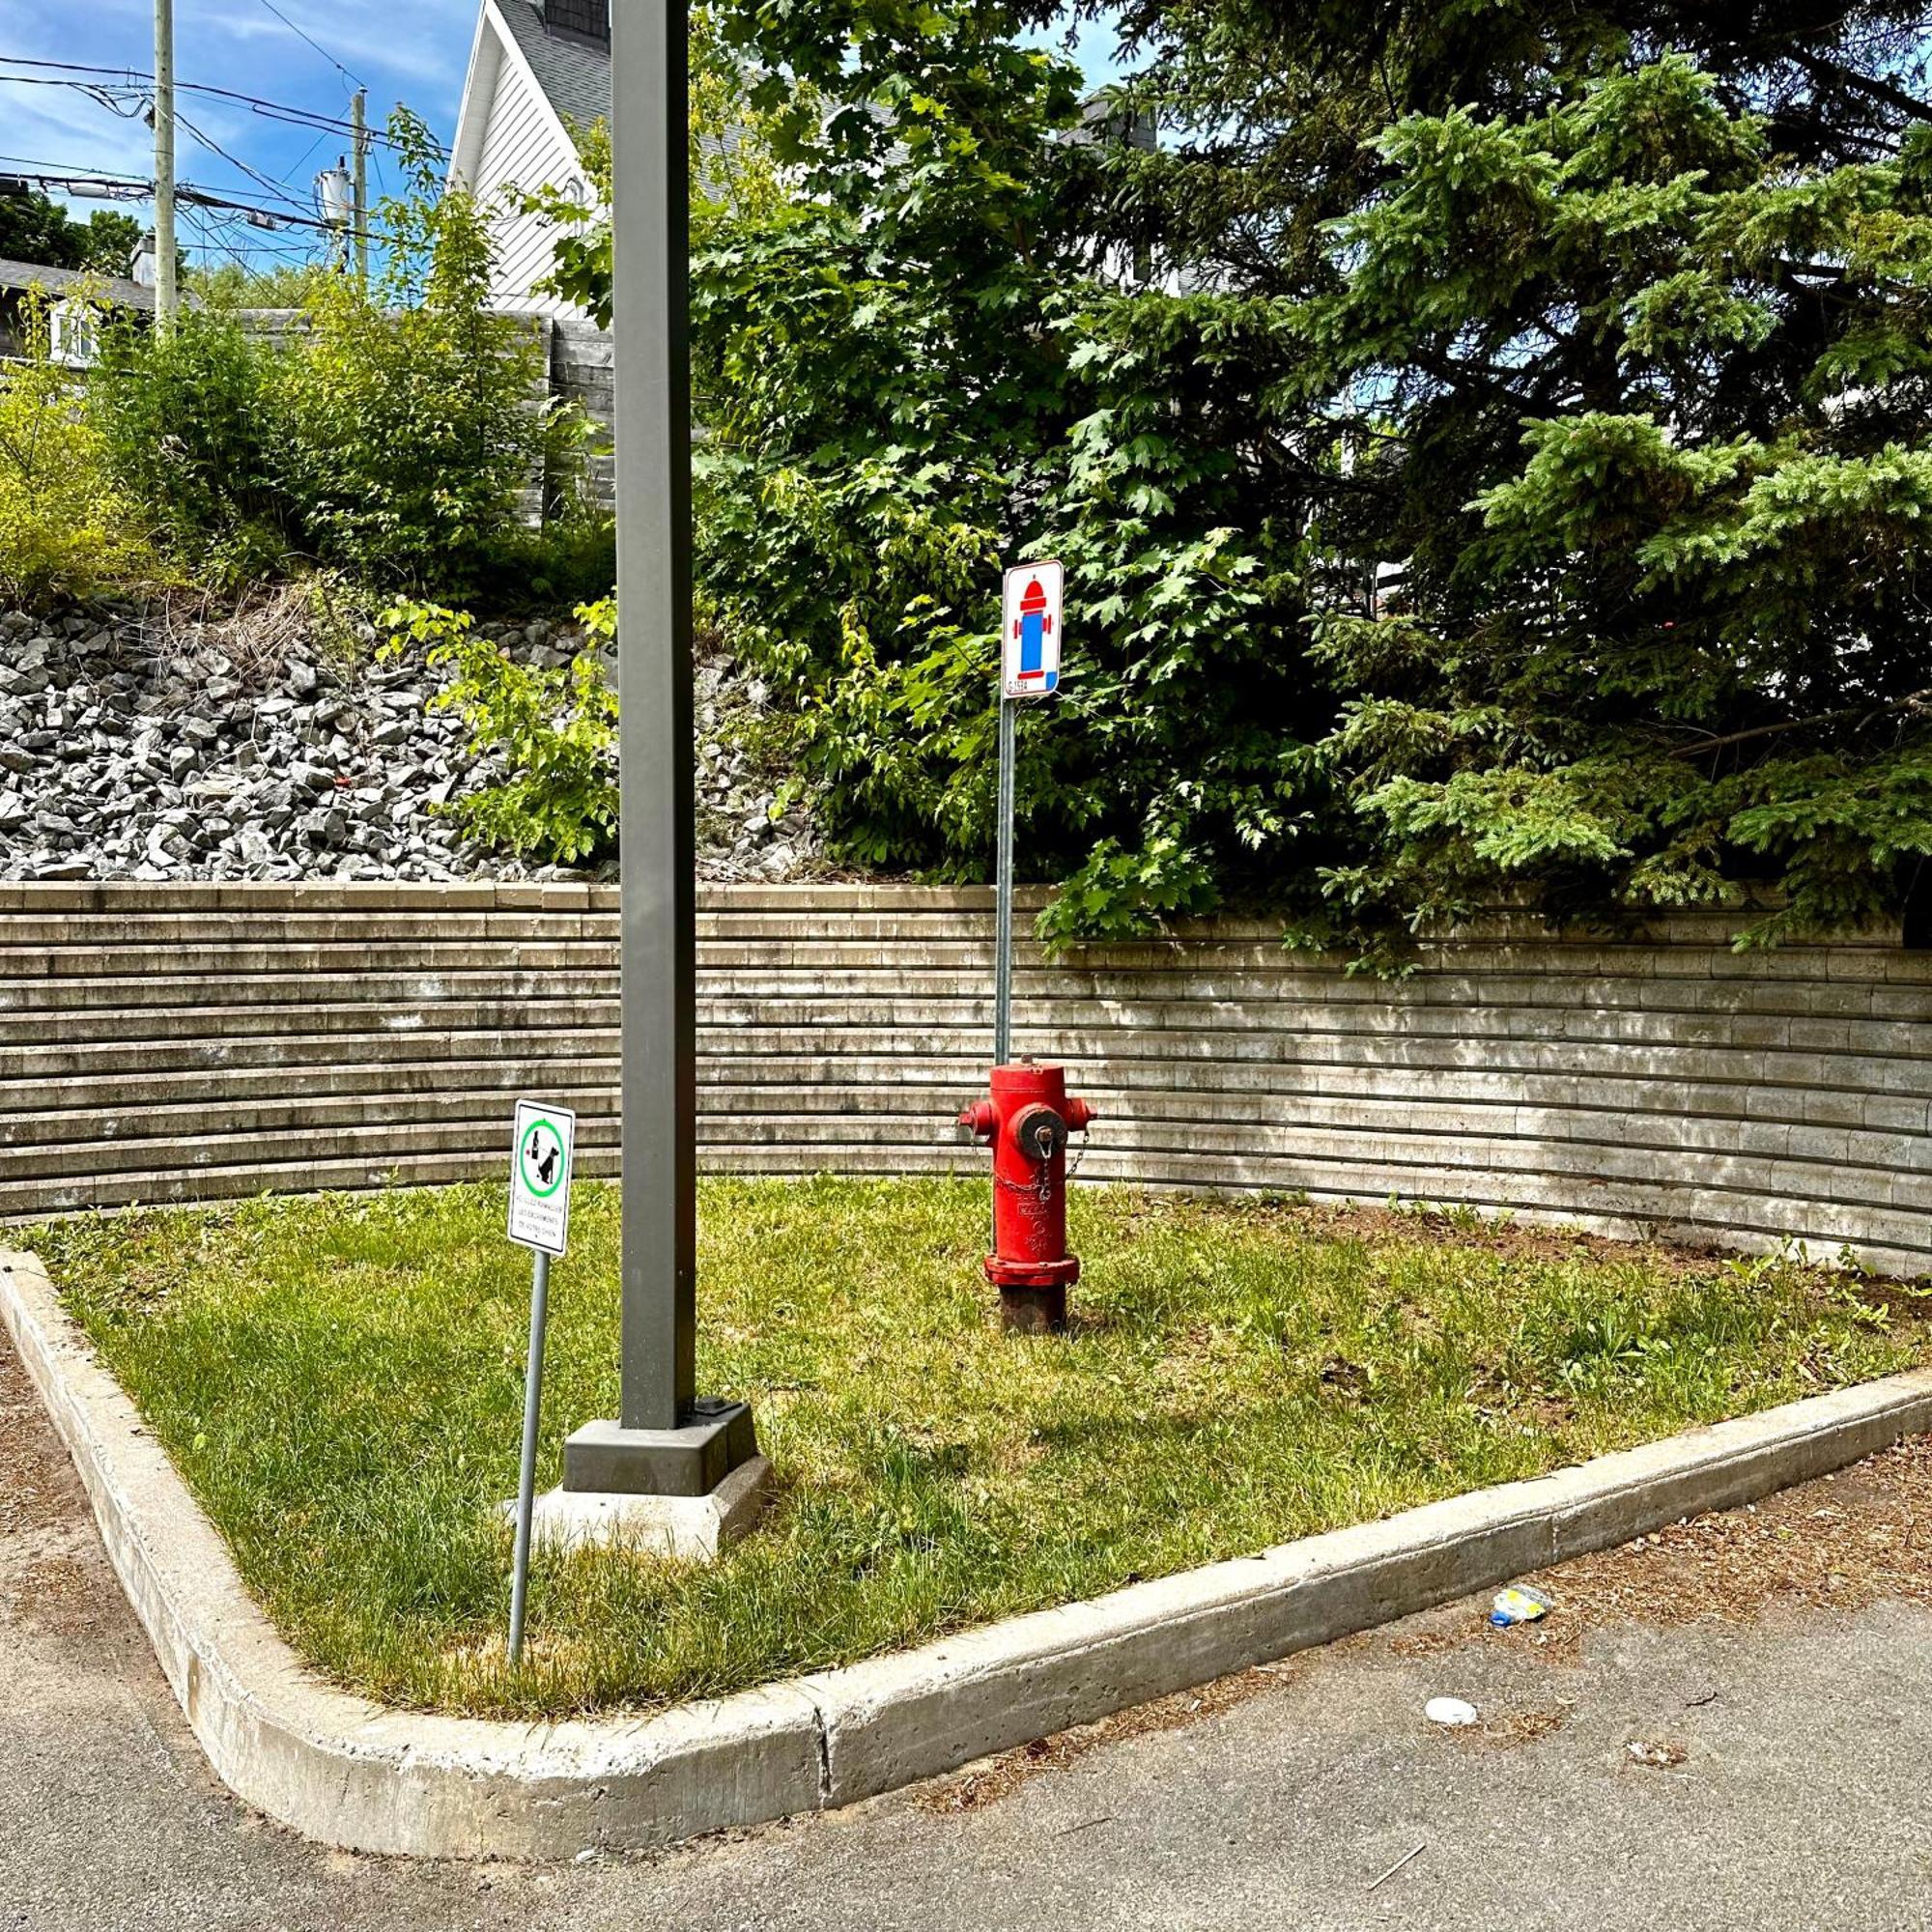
<point>523,1158</point>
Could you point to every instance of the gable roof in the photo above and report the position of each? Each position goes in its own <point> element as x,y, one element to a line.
<point>115,289</point>
<point>572,72</point>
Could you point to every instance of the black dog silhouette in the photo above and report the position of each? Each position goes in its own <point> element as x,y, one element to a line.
<point>547,1166</point>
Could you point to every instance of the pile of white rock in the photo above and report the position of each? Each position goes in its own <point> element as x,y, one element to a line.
<point>135,746</point>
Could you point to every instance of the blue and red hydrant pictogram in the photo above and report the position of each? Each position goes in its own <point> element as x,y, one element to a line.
<point>1032,627</point>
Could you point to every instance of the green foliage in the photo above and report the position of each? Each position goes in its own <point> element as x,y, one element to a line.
<point>235,285</point>
<point>570,558</point>
<point>66,527</point>
<point>911,374</point>
<point>35,228</point>
<point>1669,648</point>
<point>111,239</point>
<point>558,728</point>
<point>389,433</point>
<point>733,173</point>
<point>191,420</point>
<point>408,431</point>
<point>1500,474</point>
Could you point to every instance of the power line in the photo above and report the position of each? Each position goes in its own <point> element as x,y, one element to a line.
<point>282,189</point>
<point>73,66</point>
<point>273,110</point>
<point>302,159</point>
<point>87,177</point>
<point>315,44</point>
<point>49,174</point>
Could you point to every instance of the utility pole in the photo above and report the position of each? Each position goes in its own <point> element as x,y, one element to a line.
<point>359,107</point>
<point>164,163</point>
<point>667,1440</point>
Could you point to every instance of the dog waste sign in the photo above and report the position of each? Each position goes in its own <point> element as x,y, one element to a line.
<point>540,1151</point>
<point>540,1175</point>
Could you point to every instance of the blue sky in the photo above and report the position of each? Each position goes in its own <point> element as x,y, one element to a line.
<point>408,50</point>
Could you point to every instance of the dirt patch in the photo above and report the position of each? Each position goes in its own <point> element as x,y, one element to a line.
<point>1513,1242</point>
<point>58,1595</point>
<point>37,1487</point>
<point>53,1582</point>
<point>1410,1224</point>
<point>1001,1777</point>
<point>1520,1727</point>
<point>1841,1543</point>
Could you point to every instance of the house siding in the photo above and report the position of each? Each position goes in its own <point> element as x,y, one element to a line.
<point>522,149</point>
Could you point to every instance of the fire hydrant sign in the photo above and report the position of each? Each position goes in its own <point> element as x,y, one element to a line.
<point>540,1156</point>
<point>1029,649</point>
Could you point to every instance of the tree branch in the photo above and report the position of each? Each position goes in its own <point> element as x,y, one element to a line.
<point>1911,700</point>
<point>1820,67</point>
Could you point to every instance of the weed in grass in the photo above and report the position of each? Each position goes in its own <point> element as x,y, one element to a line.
<point>340,1381</point>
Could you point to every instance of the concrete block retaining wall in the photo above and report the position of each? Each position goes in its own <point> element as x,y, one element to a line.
<point>193,1041</point>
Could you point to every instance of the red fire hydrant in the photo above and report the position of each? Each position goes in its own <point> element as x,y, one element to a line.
<point>1028,1120</point>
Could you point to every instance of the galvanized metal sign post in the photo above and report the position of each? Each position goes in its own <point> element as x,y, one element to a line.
<point>1030,638</point>
<point>541,1149</point>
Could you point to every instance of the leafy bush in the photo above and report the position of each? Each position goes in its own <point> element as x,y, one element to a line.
<point>913,375</point>
<point>557,728</point>
<point>190,418</point>
<point>390,431</point>
<point>66,527</point>
<point>569,559</point>
<point>1460,501</point>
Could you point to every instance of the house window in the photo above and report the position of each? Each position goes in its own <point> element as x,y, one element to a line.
<point>74,331</point>
<point>589,19</point>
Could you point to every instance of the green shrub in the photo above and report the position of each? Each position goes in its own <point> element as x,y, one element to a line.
<point>557,726</point>
<point>392,433</point>
<point>66,527</point>
<point>409,434</point>
<point>571,560</point>
<point>408,437</point>
<point>188,418</point>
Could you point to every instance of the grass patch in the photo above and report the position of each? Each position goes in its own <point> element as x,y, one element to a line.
<point>340,1381</point>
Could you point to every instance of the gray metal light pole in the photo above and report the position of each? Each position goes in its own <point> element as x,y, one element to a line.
<point>666,1440</point>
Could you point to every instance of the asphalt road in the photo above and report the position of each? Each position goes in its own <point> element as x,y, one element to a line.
<point>1788,1735</point>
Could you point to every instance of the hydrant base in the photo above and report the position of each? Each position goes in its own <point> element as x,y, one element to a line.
<point>1033,1311</point>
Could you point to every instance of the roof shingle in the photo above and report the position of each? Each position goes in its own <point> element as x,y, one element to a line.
<point>573,73</point>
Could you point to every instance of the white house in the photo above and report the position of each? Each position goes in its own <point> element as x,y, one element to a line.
<point>538,69</point>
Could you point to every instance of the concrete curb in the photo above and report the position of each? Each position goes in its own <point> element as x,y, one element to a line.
<point>350,1772</point>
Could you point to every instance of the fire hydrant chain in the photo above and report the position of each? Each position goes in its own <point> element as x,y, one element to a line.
<point>1042,1189</point>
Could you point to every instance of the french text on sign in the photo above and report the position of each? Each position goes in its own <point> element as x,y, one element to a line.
<point>540,1160</point>
<point>1030,636</point>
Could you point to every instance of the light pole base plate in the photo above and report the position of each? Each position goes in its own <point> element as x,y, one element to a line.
<point>607,1458</point>
<point>691,1529</point>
